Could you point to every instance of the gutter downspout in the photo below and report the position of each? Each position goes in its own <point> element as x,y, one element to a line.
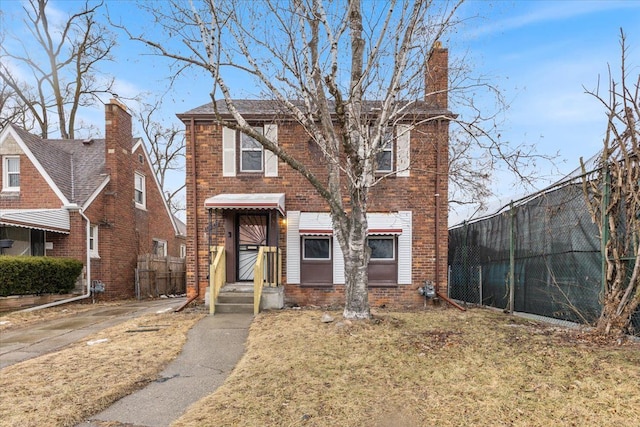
<point>437,215</point>
<point>81,297</point>
<point>195,219</point>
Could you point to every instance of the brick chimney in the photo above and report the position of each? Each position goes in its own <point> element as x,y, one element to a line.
<point>118,143</point>
<point>437,76</point>
<point>118,238</point>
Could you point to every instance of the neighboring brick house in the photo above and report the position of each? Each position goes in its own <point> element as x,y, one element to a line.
<point>241,196</point>
<point>96,200</point>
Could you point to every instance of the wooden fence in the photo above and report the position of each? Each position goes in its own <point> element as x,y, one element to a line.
<point>158,275</point>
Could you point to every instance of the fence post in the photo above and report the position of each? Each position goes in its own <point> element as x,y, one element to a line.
<point>604,239</point>
<point>512,258</point>
<point>480,283</point>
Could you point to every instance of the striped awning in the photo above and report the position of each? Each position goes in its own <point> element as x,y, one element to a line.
<point>248,201</point>
<point>315,224</point>
<point>55,220</point>
<point>319,223</point>
<point>384,223</point>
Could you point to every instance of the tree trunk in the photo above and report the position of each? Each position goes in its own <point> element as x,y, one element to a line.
<point>356,261</point>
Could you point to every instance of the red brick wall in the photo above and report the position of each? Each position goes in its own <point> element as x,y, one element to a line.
<point>154,221</point>
<point>416,193</point>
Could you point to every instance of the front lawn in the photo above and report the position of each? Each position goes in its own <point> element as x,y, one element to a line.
<point>434,368</point>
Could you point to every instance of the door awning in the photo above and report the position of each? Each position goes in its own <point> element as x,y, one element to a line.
<point>55,220</point>
<point>319,223</point>
<point>248,201</point>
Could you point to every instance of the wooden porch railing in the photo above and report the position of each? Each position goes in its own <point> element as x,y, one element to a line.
<point>267,272</point>
<point>217,275</point>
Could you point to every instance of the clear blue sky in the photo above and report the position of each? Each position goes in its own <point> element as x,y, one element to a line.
<point>541,53</point>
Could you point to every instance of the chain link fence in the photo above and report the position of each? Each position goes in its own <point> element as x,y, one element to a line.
<point>550,245</point>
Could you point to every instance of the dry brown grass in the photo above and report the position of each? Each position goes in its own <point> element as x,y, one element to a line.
<point>434,368</point>
<point>20,319</point>
<point>63,388</point>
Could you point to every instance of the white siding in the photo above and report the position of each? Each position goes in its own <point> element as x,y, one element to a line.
<point>270,159</point>
<point>228,152</point>
<point>403,152</point>
<point>338,263</point>
<point>293,247</point>
<point>404,249</point>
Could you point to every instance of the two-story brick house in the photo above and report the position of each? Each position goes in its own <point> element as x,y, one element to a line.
<point>96,200</point>
<point>242,196</point>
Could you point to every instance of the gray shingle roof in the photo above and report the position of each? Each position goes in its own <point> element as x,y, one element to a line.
<point>76,168</point>
<point>261,107</point>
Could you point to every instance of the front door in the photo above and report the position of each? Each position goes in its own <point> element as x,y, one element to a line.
<point>252,233</point>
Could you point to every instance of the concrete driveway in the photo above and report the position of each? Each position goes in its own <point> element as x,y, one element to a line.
<point>32,341</point>
<point>213,348</point>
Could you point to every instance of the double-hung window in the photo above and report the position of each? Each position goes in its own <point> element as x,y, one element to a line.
<point>93,241</point>
<point>11,173</point>
<point>384,158</point>
<point>139,193</point>
<point>251,153</point>
<point>316,264</point>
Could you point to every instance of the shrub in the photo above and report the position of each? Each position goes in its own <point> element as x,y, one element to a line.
<point>25,275</point>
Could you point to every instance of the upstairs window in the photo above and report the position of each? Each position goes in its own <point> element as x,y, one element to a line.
<point>384,159</point>
<point>11,173</point>
<point>139,194</point>
<point>251,153</point>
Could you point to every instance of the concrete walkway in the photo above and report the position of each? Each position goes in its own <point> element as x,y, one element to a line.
<point>213,348</point>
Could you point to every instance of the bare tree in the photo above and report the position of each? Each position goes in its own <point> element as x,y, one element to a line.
<point>321,61</point>
<point>61,66</point>
<point>614,197</point>
<point>166,149</point>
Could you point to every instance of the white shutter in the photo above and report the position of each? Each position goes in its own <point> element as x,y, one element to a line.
<point>338,262</point>
<point>228,152</point>
<point>270,159</point>
<point>404,249</point>
<point>293,247</point>
<point>403,149</point>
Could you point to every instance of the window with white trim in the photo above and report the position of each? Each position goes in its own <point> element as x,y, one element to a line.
<point>251,153</point>
<point>383,248</point>
<point>384,158</point>
<point>11,173</point>
<point>183,251</point>
<point>316,248</point>
<point>159,247</point>
<point>93,241</point>
<point>140,194</point>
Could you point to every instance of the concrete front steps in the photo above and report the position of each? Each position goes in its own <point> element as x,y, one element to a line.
<point>233,300</point>
<point>238,298</point>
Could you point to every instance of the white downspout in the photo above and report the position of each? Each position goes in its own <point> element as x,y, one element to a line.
<point>84,296</point>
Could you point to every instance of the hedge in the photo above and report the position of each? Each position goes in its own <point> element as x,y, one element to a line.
<point>27,275</point>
